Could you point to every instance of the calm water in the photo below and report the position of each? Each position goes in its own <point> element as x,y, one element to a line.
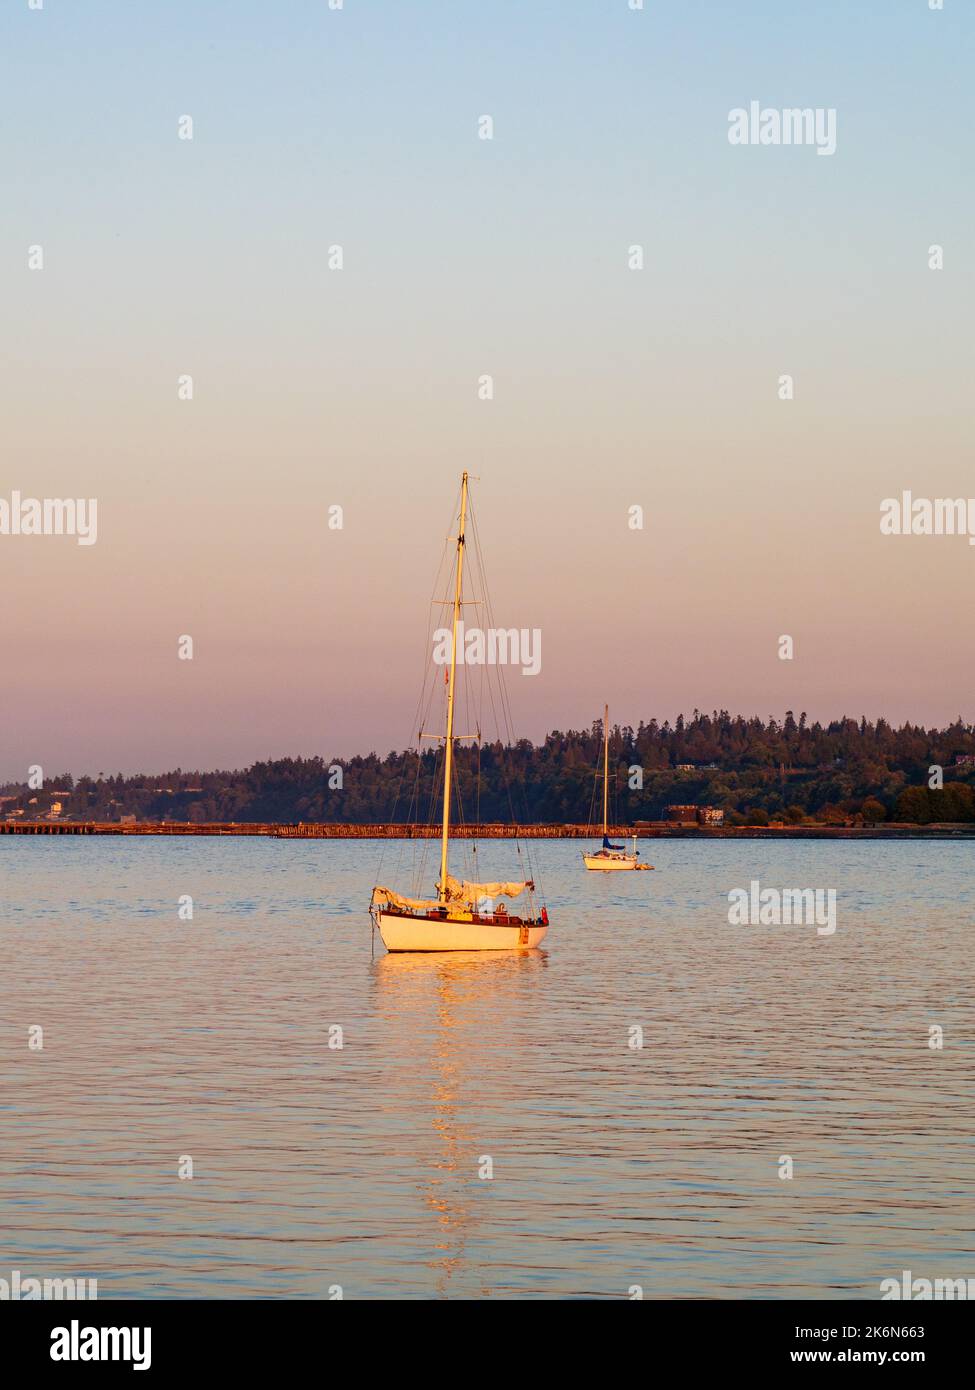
<point>317,1166</point>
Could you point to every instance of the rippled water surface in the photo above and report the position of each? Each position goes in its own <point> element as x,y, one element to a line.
<point>613,1165</point>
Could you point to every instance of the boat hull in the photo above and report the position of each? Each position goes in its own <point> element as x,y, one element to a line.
<point>402,932</point>
<point>606,865</point>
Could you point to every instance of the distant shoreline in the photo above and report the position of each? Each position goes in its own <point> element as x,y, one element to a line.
<point>653,830</point>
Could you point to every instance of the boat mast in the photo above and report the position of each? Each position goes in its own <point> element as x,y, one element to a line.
<point>449,757</point>
<point>606,772</point>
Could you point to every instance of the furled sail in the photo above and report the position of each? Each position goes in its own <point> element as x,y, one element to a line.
<point>471,892</point>
<point>457,892</point>
<point>381,896</point>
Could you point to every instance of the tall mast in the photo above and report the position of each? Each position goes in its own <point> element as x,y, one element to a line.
<point>606,771</point>
<point>449,758</point>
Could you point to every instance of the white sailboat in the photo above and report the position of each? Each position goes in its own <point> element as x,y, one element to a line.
<point>610,857</point>
<point>464,916</point>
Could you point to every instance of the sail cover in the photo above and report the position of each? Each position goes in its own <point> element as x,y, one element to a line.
<point>386,896</point>
<point>607,845</point>
<point>471,892</point>
<point>457,892</point>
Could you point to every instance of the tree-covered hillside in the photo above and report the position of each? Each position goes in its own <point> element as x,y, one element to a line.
<point>755,770</point>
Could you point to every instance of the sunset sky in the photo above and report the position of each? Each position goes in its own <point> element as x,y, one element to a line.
<point>463,257</point>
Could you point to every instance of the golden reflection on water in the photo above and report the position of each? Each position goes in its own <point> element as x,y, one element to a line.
<point>452,979</point>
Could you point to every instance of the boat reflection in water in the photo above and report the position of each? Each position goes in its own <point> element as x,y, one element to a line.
<point>454,1014</point>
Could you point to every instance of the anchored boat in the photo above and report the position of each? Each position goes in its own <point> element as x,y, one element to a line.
<point>610,857</point>
<point>465,915</point>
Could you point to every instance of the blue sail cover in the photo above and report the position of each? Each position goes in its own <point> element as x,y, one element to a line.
<point>607,845</point>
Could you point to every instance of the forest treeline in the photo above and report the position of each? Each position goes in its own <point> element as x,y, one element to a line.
<point>755,770</point>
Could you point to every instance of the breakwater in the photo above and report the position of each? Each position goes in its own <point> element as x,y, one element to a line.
<point>652,830</point>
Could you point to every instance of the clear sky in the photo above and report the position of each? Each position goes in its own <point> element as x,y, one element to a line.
<point>613,387</point>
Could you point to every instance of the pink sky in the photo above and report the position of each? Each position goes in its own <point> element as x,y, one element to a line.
<point>613,387</point>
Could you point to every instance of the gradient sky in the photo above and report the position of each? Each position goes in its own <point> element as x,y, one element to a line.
<point>463,257</point>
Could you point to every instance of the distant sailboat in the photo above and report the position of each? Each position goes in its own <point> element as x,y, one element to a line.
<point>464,915</point>
<point>611,857</point>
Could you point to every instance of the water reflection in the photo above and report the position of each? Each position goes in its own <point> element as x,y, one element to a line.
<point>460,988</point>
<point>614,1165</point>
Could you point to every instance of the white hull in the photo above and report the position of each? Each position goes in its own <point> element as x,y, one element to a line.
<point>608,865</point>
<point>405,933</point>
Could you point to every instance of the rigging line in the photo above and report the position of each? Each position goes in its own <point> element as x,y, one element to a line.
<point>421,845</point>
<point>462,756</point>
<point>505,723</point>
<point>410,809</point>
<point>468,757</point>
<point>417,715</point>
<point>480,712</point>
<point>420,853</point>
<point>418,850</point>
<point>472,712</point>
<point>439,769</point>
<point>591,823</point>
<point>594,817</point>
<point>428,683</point>
<point>396,798</point>
<point>436,772</point>
<point>477,795</point>
<point>448,690</point>
<point>458,797</point>
<point>461,764</point>
<point>504,702</point>
<point>415,815</point>
<point>615,782</point>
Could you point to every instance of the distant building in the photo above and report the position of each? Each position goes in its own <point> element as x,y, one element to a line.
<point>685,767</point>
<point>695,815</point>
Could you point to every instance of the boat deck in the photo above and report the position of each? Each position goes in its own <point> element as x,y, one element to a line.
<point>494,919</point>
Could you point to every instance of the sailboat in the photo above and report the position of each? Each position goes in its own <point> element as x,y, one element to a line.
<point>610,856</point>
<point>465,915</point>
